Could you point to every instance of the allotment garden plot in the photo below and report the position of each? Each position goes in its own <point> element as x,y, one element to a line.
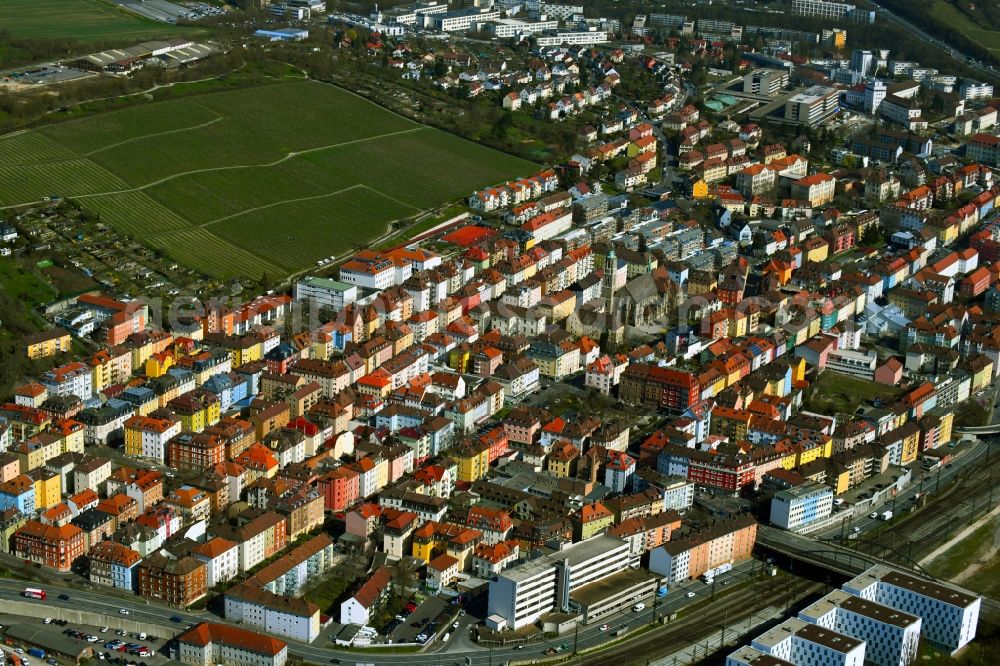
<point>263,180</point>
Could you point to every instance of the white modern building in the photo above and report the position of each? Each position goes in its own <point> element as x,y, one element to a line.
<point>949,614</point>
<point>875,93</point>
<point>460,19</point>
<point>506,28</point>
<point>798,507</point>
<point>853,363</point>
<point>833,11</point>
<point>891,636</point>
<point>579,38</point>
<point>524,593</point>
<point>805,644</point>
<point>324,292</point>
<point>812,106</point>
<point>971,90</point>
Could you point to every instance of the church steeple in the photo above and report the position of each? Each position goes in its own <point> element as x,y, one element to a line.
<point>610,271</point>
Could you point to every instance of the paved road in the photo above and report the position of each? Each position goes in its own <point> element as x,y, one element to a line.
<point>944,46</point>
<point>927,483</point>
<point>455,651</point>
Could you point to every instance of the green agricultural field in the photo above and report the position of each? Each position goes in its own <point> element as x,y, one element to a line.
<point>247,182</point>
<point>83,20</point>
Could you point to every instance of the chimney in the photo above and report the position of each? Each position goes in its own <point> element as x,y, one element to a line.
<point>593,469</point>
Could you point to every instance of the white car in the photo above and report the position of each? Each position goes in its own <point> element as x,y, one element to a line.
<point>873,514</point>
<point>605,627</point>
<point>638,608</point>
<point>104,630</point>
<point>47,620</point>
<point>123,611</point>
<point>690,595</point>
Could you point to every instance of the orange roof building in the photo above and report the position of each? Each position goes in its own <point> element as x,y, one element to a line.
<point>212,643</point>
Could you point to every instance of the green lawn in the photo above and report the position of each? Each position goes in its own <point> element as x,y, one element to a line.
<point>83,20</point>
<point>948,14</point>
<point>834,393</point>
<point>247,182</point>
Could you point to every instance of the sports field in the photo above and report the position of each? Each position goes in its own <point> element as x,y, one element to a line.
<point>84,20</point>
<point>263,180</point>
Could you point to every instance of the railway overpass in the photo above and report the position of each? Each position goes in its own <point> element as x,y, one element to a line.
<point>823,554</point>
<point>979,430</point>
<point>838,559</point>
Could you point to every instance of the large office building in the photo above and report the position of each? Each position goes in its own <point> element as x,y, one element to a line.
<point>576,37</point>
<point>949,614</point>
<point>460,19</point>
<point>832,11</point>
<point>811,106</point>
<point>805,644</point>
<point>799,507</point>
<point>522,594</point>
<point>324,292</point>
<point>891,636</point>
<point>765,81</point>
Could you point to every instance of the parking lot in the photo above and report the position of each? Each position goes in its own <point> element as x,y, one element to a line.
<point>62,641</point>
<point>419,622</point>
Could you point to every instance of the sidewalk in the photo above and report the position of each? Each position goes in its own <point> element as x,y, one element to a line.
<point>697,653</point>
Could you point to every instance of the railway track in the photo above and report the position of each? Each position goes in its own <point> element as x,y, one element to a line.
<point>695,626</point>
<point>918,533</point>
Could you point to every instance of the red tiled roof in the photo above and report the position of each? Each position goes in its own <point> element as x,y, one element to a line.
<point>251,641</point>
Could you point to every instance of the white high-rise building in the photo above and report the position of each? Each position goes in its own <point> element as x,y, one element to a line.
<point>875,92</point>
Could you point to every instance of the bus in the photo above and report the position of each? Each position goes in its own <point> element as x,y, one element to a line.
<point>34,593</point>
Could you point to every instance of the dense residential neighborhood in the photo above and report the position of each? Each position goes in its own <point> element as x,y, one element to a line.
<point>735,333</point>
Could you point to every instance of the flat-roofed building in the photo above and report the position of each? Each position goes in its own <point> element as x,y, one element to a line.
<point>891,636</point>
<point>324,292</point>
<point>524,593</point>
<point>796,508</point>
<point>811,106</point>
<point>806,644</point>
<point>949,614</point>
